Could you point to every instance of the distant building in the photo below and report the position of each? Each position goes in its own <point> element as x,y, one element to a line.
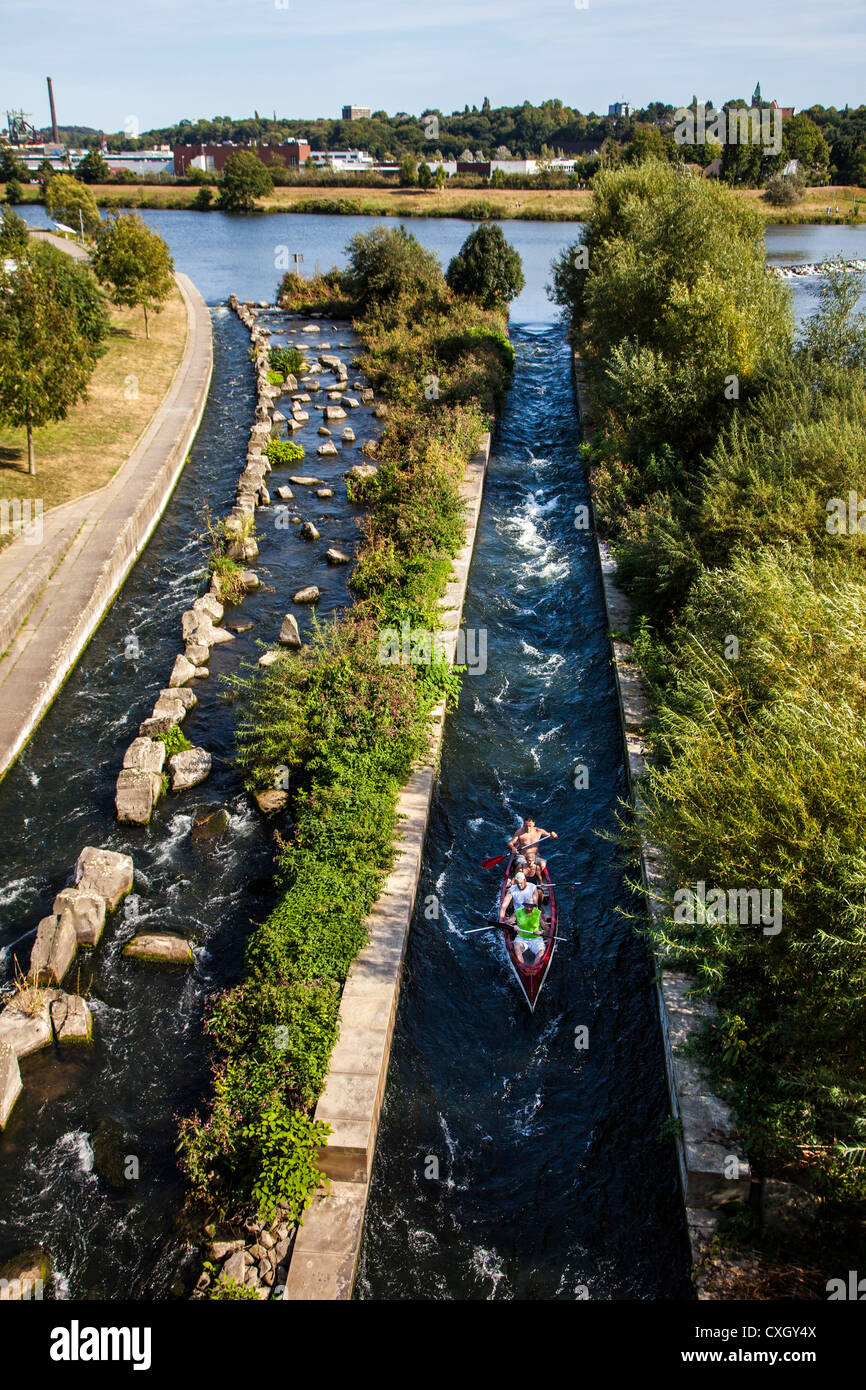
<point>212,158</point>
<point>620,108</point>
<point>155,161</point>
<point>347,161</point>
<point>356,113</point>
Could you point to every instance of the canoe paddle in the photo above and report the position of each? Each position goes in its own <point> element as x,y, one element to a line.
<point>493,925</point>
<point>489,863</point>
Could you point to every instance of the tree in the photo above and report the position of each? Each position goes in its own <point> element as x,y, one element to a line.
<point>13,233</point>
<point>11,167</point>
<point>67,200</point>
<point>804,142</point>
<point>53,321</point>
<point>425,175</point>
<point>203,200</point>
<point>487,268</point>
<point>408,171</point>
<point>647,142</point>
<point>244,179</point>
<point>45,173</point>
<point>386,264</point>
<point>440,178</point>
<point>14,191</point>
<point>135,262</point>
<point>93,168</point>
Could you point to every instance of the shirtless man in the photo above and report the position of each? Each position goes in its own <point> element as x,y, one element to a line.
<point>527,835</point>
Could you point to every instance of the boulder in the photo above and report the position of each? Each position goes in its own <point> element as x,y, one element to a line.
<point>285,494</point>
<point>136,794</point>
<point>302,398</point>
<point>189,768</point>
<point>360,471</point>
<point>324,432</point>
<point>300,416</point>
<point>304,481</point>
<point>210,826</point>
<point>308,595</point>
<point>338,557</point>
<point>24,1023</point>
<point>351,402</point>
<point>53,950</point>
<point>311,328</point>
<point>309,533</point>
<point>348,435</point>
<point>23,1278</point>
<point>268,658</point>
<point>250,580</point>
<point>145,754</point>
<point>293,424</point>
<point>181,693</point>
<point>182,671</point>
<point>87,911</point>
<point>327,449</point>
<point>335,395</point>
<point>161,948</point>
<point>290,382</point>
<point>104,872</point>
<point>381,412</point>
<point>210,605</point>
<point>270,802</point>
<point>10,1084</point>
<point>334,412</point>
<point>264,497</point>
<point>370,447</point>
<point>367,395</point>
<point>239,625</point>
<point>70,1017</point>
<point>289,634</point>
<point>324,492</point>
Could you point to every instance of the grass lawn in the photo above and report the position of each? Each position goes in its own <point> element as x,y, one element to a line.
<point>84,451</point>
<point>530,204</point>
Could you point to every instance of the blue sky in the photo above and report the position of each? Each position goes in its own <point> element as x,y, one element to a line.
<point>160,60</point>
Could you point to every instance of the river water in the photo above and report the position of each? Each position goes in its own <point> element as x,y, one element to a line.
<point>519,1121</point>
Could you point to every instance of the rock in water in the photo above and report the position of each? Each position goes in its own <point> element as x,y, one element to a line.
<point>324,492</point>
<point>137,793</point>
<point>309,533</point>
<point>327,449</point>
<point>270,802</point>
<point>338,557</point>
<point>87,911</point>
<point>145,755</point>
<point>10,1083</point>
<point>189,768</point>
<point>289,633</point>
<point>104,872</point>
<point>348,435</point>
<point>182,671</point>
<point>53,950</point>
<point>308,595</point>
<point>161,948</point>
<point>210,827</point>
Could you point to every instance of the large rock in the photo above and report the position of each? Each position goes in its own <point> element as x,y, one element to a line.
<point>24,1023</point>
<point>187,697</point>
<point>350,401</point>
<point>136,794</point>
<point>53,950</point>
<point>327,448</point>
<point>167,713</point>
<point>304,481</point>
<point>182,671</point>
<point>87,911</point>
<point>289,634</point>
<point>285,494</point>
<point>334,412</point>
<point>145,754</point>
<point>308,595</point>
<point>271,801</point>
<point>10,1084</point>
<point>189,768</point>
<point>348,435</point>
<point>309,531</point>
<point>338,557</point>
<point>160,947</point>
<point>24,1277</point>
<point>104,872</point>
<point>367,395</point>
<point>71,1019</point>
<point>250,581</point>
<point>360,471</point>
<point>209,605</point>
<point>197,653</point>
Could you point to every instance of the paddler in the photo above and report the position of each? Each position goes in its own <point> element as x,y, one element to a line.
<point>524,898</point>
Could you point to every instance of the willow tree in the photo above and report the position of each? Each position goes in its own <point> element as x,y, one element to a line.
<point>53,322</point>
<point>135,263</point>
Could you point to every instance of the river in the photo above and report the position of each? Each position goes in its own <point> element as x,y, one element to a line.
<point>552,1174</point>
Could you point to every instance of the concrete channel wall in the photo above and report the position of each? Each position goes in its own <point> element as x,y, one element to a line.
<point>327,1245</point>
<point>54,595</point>
<point>712,1163</point>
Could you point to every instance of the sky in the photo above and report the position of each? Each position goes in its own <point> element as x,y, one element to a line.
<point>127,64</point>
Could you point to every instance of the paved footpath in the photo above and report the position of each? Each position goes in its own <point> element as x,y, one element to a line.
<point>54,594</point>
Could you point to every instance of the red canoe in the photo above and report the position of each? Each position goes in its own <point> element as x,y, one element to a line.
<point>532,977</point>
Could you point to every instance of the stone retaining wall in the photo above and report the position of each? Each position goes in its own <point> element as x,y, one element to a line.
<point>709,1148</point>
<point>325,1253</point>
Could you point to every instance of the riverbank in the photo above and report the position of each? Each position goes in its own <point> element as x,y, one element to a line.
<point>528,205</point>
<point>53,594</point>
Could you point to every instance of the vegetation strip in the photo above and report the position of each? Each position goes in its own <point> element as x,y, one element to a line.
<point>348,724</point>
<point>723,470</point>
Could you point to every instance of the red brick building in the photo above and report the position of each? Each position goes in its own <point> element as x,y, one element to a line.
<point>212,158</point>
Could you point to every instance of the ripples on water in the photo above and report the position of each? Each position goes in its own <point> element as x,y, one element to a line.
<point>82,1112</point>
<point>551,1173</point>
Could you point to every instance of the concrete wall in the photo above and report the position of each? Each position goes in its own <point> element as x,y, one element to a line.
<point>709,1148</point>
<point>327,1245</point>
<point>53,596</point>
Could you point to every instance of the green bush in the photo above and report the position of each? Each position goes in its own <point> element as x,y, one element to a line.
<point>486,268</point>
<point>279,451</point>
<point>287,360</point>
<point>175,741</point>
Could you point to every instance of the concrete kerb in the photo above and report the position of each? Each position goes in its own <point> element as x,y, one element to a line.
<point>327,1245</point>
<point>709,1140</point>
<point>53,623</point>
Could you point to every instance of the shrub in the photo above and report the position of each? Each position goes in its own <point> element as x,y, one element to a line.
<point>279,451</point>
<point>287,360</point>
<point>487,268</point>
<point>387,264</point>
<point>175,741</point>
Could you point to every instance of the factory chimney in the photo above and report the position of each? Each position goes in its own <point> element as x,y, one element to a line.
<point>55,133</point>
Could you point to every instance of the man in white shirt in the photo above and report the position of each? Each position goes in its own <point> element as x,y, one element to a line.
<point>523,897</point>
